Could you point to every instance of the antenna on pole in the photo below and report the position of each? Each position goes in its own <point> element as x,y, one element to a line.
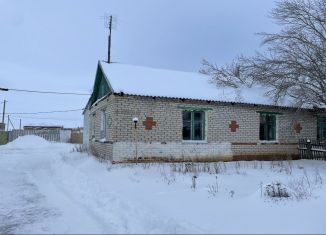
<point>109,23</point>
<point>109,39</point>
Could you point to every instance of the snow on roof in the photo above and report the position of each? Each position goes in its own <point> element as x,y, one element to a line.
<point>145,81</point>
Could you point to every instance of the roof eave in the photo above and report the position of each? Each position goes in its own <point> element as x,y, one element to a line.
<point>218,101</point>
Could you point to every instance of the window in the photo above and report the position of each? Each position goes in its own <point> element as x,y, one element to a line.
<point>92,125</point>
<point>267,127</point>
<point>321,128</point>
<point>193,125</point>
<point>103,124</point>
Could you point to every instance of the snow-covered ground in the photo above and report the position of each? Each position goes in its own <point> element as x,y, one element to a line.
<point>48,188</point>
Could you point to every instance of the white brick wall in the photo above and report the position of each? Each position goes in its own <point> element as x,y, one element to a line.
<point>127,150</point>
<point>165,139</point>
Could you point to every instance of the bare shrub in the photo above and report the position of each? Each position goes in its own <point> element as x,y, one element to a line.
<point>81,148</point>
<point>169,178</point>
<point>282,166</point>
<point>219,167</point>
<point>300,188</point>
<point>189,167</point>
<point>177,167</point>
<point>306,177</point>
<point>304,187</point>
<point>193,184</point>
<point>237,167</point>
<point>289,167</point>
<point>213,188</point>
<point>206,167</point>
<point>255,164</point>
<point>146,165</point>
<point>173,167</point>
<point>318,178</point>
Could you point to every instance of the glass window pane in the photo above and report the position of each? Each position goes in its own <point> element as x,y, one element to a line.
<point>193,125</point>
<point>267,127</point>
<point>262,132</point>
<point>198,131</point>
<point>198,116</point>
<point>321,132</point>
<point>186,130</point>
<point>198,125</point>
<point>186,116</point>
<point>271,132</point>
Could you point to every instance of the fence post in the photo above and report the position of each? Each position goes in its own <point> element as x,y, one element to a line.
<point>309,147</point>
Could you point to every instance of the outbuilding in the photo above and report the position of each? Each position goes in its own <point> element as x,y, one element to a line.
<point>138,112</point>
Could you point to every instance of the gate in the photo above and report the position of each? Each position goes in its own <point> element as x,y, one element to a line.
<point>312,149</point>
<point>50,135</point>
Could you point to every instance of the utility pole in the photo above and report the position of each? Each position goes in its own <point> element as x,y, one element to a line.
<point>20,124</point>
<point>8,123</point>
<point>4,110</point>
<point>109,39</point>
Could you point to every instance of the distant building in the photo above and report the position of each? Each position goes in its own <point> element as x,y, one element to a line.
<point>32,127</point>
<point>183,116</point>
<point>2,126</point>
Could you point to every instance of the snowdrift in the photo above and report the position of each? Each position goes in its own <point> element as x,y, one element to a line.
<point>28,141</point>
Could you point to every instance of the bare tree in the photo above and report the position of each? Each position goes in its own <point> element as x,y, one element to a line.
<point>294,64</point>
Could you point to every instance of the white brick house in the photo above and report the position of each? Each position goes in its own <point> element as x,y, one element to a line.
<point>182,115</point>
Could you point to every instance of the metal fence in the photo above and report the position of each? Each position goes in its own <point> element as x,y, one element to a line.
<point>50,135</point>
<point>312,149</point>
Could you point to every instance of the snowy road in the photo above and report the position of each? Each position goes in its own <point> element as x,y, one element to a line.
<point>42,191</point>
<point>47,188</point>
<point>33,200</point>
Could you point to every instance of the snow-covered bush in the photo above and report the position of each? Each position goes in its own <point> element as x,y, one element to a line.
<point>276,190</point>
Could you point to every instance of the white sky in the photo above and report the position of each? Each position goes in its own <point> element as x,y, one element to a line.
<point>55,44</point>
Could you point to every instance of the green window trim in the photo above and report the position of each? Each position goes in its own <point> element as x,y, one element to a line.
<point>321,128</point>
<point>189,108</point>
<point>192,127</point>
<point>267,112</point>
<point>267,127</point>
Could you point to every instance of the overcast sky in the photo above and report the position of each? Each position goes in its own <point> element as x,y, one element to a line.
<point>55,45</point>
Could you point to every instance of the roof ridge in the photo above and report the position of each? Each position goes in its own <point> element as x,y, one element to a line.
<point>154,68</point>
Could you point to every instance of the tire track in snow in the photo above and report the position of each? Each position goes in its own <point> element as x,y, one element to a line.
<point>81,202</point>
<point>21,204</point>
<point>120,214</point>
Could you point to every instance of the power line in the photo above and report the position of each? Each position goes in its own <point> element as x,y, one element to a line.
<point>44,118</point>
<point>43,92</point>
<point>56,111</point>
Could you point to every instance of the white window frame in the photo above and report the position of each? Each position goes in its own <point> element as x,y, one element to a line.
<point>276,141</point>
<point>103,124</point>
<point>204,141</point>
<point>93,125</point>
